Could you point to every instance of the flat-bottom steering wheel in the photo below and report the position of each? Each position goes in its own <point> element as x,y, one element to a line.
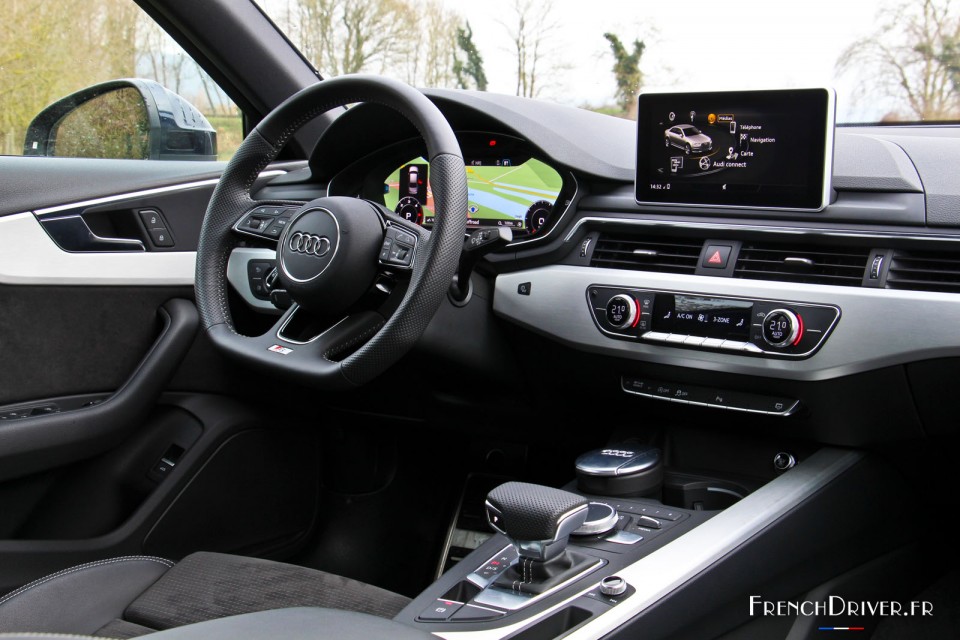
<point>332,250</point>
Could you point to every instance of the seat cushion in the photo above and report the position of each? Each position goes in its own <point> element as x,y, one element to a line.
<point>133,596</point>
<point>80,599</point>
<point>290,624</point>
<point>205,586</point>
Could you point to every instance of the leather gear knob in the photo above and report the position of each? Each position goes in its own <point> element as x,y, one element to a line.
<point>537,519</point>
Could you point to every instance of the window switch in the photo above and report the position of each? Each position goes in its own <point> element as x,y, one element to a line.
<point>152,219</point>
<point>161,237</point>
<point>162,467</point>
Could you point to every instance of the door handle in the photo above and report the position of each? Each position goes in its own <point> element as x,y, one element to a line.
<point>72,233</point>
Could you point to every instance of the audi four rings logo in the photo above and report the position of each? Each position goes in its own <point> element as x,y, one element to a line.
<point>309,244</point>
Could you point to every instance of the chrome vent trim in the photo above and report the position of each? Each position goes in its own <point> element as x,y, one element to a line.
<point>925,271</point>
<point>647,253</point>
<point>804,263</point>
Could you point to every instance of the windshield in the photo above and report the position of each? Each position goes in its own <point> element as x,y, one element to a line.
<point>889,60</point>
<point>691,131</point>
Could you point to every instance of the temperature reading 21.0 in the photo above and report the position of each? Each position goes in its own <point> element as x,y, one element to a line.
<point>777,328</point>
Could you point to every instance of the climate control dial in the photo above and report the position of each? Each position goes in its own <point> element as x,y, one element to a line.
<point>621,311</point>
<point>782,328</point>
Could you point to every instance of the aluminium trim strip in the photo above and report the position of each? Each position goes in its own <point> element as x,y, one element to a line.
<point>237,275</point>
<point>28,256</point>
<point>877,327</point>
<point>141,194</point>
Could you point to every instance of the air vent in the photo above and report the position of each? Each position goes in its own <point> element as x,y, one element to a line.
<point>811,264</point>
<point>644,253</point>
<point>925,271</point>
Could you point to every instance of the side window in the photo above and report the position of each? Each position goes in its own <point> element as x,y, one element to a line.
<point>100,79</point>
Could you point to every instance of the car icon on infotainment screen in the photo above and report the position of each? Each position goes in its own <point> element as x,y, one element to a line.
<point>688,138</point>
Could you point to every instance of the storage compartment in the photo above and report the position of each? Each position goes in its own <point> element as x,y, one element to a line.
<point>701,493</point>
<point>556,625</point>
<point>258,494</point>
<point>121,480</point>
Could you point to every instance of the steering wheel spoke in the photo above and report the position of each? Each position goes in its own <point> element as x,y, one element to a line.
<point>310,348</point>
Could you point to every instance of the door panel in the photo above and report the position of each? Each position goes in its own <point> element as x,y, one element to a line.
<point>30,184</point>
<point>61,340</point>
<point>135,502</point>
<point>87,483</point>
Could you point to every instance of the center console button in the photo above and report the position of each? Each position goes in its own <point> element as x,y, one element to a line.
<point>648,522</point>
<point>439,611</point>
<point>613,586</point>
<point>732,345</point>
<point>624,537</point>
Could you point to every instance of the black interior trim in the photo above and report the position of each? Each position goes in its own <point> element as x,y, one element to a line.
<point>47,441</point>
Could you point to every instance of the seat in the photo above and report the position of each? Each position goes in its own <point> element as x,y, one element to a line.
<point>136,595</point>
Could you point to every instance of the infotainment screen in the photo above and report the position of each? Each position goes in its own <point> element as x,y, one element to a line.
<point>754,149</point>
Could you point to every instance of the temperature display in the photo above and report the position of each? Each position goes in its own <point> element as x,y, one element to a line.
<point>705,317</point>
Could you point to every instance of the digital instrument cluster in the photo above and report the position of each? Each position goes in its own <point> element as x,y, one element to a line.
<point>505,189</point>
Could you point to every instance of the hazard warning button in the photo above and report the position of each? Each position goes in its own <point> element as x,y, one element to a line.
<point>716,256</point>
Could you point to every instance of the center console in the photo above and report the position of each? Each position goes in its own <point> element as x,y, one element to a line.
<point>605,552</point>
<point>551,545</point>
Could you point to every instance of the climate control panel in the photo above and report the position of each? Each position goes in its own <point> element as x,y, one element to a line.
<point>746,326</point>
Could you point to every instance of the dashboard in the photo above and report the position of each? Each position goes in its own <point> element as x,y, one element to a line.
<point>605,291</point>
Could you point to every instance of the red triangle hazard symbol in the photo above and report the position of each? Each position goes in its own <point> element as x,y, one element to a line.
<point>715,258</point>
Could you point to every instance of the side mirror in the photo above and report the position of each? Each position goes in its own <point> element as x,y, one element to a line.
<point>131,118</point>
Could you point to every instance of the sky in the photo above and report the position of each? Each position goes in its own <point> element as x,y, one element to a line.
<point>691,45</point>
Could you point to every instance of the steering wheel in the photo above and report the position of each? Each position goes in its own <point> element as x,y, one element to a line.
<point>332,250</point>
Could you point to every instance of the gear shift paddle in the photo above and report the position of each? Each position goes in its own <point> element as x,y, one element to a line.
<point>538,521</point>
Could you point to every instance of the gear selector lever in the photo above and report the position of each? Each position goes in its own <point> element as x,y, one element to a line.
<point>538,521</point>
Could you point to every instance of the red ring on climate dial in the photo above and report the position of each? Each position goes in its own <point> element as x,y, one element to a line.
<point>782,328</point>
<point>799,330</point>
